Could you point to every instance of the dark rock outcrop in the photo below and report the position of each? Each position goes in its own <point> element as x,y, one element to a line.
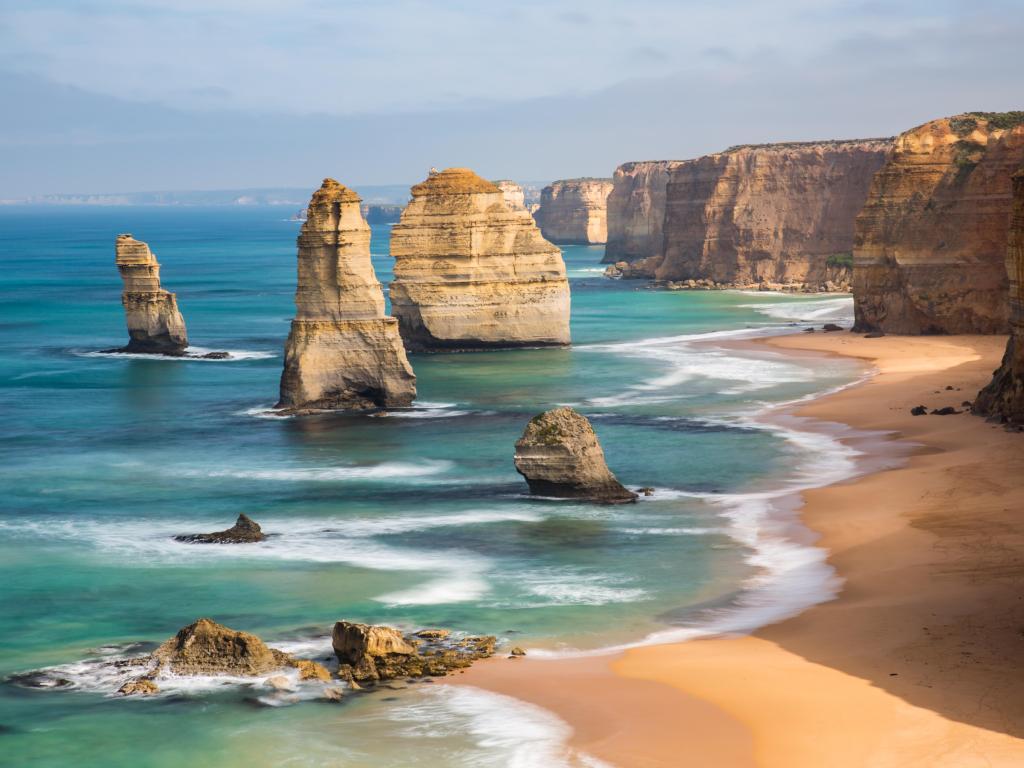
<point>931,241</point>
<point>559,455</point>
<point>155,325</point>
<point>244,531</point>
<point>1003,398</point>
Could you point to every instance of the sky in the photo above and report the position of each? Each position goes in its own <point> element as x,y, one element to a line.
<point>138,95</point>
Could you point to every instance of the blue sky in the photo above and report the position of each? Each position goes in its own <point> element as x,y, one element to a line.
<point>120,95</point>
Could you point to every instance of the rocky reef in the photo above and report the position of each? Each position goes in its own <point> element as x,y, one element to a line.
<point>515,197</point>
<point>473,273</point>
<point>155,325</point>
<point>1003,398</point>
<point>931,240</point>
<point>368,653</point>
<point>636,211</point>
<point>244,531</point>
<point>575,211</point>
<point>343,352</point>
<point>559,455</point>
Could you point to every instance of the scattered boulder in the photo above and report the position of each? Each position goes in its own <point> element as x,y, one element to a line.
<point>311,670</point>
<point>279,683</point>
<point>645,491</point>
<point>559,455</point>
<point>517,651</point>
<point>808,330</point>
<point>369,654</point>
<point>142,686</point>
<point>918,410</point>
<point>947,411</point>
<point>831,327</point>
<point>874,335</point>
<point>244,531</point>
<point>433,634</point>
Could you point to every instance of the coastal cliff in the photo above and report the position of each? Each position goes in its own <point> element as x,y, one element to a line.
<point>472,272</point>
<point>1003,398</point>
<point>154,323</point>
<point>514,195</point>
<point>777,214</point>
<point>636,211</point>
<point>931,240</point>
<point>343,352</point>
<point>575,211</point>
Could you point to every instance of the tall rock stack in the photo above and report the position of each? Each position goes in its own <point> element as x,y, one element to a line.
<point>473,273</point>
<point>515,197</point>
<point>154,323</point>
<point>931,240</point>
<point>575,211</point>
<point>1004,397</point>
<point>772,213</point>
<point>343,352</point>
<point>636,211</point>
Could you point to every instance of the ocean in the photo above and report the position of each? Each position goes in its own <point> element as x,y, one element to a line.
<point>413,518</point>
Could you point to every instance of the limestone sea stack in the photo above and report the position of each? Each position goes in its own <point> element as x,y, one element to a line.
<point>154,323</point>
<point>559,455</point>
<point>931,241</point>
<point>1003,398</point>
<point>343,352</point>
<point>778,215</point>
<point>471,272</point>
<point>515,197</point>
<point>636,211</point>
<point>575,211</point>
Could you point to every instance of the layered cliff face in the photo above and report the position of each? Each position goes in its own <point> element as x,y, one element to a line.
<point>559,455</point>
<point>1004,397</point>
<point>777,214</point>
<point>473,273</point>
<point>636,211</point>
<point>343,352</point>
<point>575,211</point>
<point>154,323</point>
<point>515,197</point>
<point>931,239</point>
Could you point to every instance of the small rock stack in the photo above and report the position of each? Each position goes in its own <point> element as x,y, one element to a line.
<point>155,325</point>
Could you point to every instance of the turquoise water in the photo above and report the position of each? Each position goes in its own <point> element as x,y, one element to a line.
<point>413,518</point>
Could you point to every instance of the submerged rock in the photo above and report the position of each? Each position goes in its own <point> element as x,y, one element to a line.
<point>142,686</point>
<point>343,352</point>
<point>472,270</point>
<point>155,325</point>
<point>559,455</point>
<point>368,653</point>
<point>244,531</point>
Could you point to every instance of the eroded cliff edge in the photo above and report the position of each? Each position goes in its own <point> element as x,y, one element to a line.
<point>636,211</point>
<point>575,211</point>
<point>1003,398</point>
<point>343,352</point>
<point>931,241</point>
<point>473,272</point>
<point>155,324</point>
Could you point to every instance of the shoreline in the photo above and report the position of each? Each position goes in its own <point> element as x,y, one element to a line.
<point>913,664</point>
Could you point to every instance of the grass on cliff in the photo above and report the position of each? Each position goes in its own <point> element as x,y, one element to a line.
<point>962,125</point>
<point>840,260</point>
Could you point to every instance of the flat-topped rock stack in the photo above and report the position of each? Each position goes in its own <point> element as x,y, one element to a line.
<point>154,323</point>
<point>559,455</point>
<point>1003,399</point>
<point>343,352</point>
<point>471,272</point>
<point>515,197</point>
<point>575,211</point>
<point>931,241</point>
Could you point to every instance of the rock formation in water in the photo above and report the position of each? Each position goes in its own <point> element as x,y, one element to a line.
<point>244,531</point>
<point>636,211</point>
<point>575,211</point>
<point>367,653</point>
<point>154,323</point>
<point>1003,398</point>
<point>931,240</point>
<point>343,352</point>
<point>473,273</point>
<point>515,197</point>
<point>559,455</point>
<point>780,215</point>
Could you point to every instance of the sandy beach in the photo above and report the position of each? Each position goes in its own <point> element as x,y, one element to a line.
<point>916,663</point>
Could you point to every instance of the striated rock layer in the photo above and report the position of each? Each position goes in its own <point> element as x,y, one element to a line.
<point>931,240</point>
<point>559,455</point>
<point>343,352</point>
<point>472,272</point>
<point>1003,398</point>
<point>770,214</point>
<point>636,211</point>
<point>575,211</point>
<point>154,323</point>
